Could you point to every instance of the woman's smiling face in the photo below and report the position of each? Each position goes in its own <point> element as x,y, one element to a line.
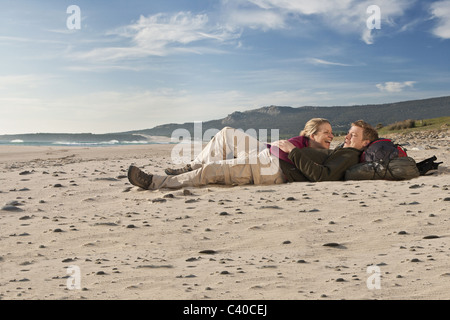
<point>323,137</point>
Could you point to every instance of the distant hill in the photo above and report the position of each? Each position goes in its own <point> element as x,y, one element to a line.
<point>290,120</point>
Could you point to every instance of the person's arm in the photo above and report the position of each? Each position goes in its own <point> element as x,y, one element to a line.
<point>316,165</point>
<point>284,145</point>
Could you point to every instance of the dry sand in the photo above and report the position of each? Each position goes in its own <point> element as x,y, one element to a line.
<point>75,210</point>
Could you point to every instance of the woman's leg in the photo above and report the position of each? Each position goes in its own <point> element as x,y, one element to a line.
<point>263,169</point>
<point>228,143</point>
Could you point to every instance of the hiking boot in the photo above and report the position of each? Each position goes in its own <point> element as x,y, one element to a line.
<point>139,178</point>
<point>175,172</point>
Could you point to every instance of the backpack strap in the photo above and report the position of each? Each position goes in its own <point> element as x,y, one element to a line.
<point>401,151</point>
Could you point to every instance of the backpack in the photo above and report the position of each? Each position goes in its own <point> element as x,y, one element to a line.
<point>384,160</point>
<point>400,168</point>
<point>382,150</point>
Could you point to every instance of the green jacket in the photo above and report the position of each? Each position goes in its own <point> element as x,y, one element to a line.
<point>319,164</point>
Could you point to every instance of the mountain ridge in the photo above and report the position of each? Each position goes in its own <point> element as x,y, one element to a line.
<point>288,120</point>
<point>291,120</point>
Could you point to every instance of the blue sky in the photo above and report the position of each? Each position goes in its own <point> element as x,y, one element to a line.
<point>137,64</point>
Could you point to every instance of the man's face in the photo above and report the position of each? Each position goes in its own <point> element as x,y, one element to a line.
<point>354,138</point>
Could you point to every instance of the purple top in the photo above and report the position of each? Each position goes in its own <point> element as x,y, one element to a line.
<point>298,141</point>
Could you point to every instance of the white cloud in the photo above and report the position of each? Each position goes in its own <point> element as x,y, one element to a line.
<point>395,86</point>
<point>441,10</point>
<point>411,25</point>
<point>161,35</point>
<point>8,39</point>
<point>330,63</point>
<point>345,16</point>
<point>164,34</point>
<point>257,19</point>
<point>304,6</point>
<point>23,81</point>
<point>367,36</point>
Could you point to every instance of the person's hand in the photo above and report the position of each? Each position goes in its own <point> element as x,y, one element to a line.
<point>284,145</point>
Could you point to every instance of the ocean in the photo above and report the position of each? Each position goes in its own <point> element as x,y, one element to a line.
<point>77,144</point>
<point>81,140</point>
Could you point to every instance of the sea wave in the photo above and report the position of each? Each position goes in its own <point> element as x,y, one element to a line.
<point>81,143</point>
<point>138,142</point>
<point>75,143</point>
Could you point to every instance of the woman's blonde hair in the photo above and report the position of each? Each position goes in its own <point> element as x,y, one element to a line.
<point>312,126</point>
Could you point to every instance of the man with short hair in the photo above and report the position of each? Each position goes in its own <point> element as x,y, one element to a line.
<point>309,164</point>
<point>327,165</point>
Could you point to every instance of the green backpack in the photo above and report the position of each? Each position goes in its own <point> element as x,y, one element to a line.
<point>401,168</point>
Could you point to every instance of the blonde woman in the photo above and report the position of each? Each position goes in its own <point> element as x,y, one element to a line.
<point>317,134</point>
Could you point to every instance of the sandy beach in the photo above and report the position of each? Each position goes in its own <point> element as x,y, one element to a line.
<point>72,227</point>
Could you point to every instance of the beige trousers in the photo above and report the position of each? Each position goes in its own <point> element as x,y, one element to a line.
<point>260,169</point>
<point>227,144</point>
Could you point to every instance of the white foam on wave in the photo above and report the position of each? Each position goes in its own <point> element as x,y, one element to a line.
<point>101,143</point>
<point>135,142</point>
<point>74,143</point>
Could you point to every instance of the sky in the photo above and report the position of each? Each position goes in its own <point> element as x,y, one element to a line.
<point>113,66</point>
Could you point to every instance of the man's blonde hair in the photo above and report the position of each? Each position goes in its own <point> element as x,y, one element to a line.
<point>312,126</point>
